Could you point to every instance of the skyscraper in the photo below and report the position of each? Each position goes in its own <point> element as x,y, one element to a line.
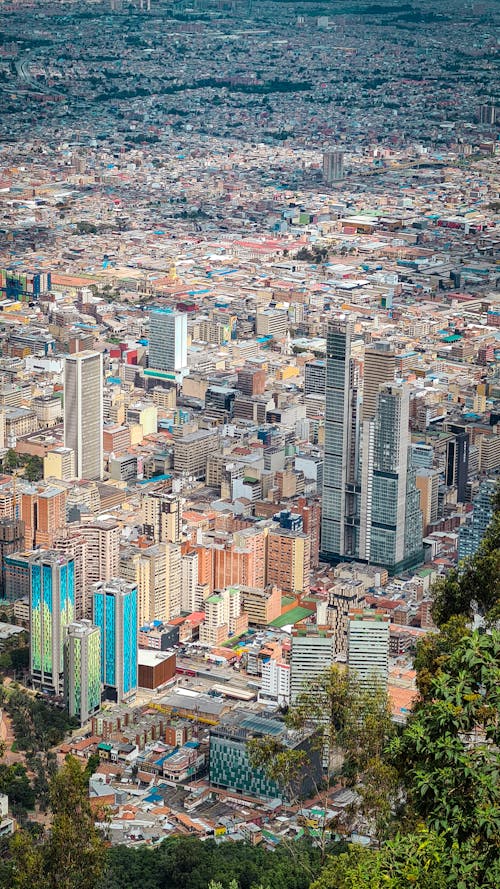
<point>168,341</point>
<point>368,647</point>
<point>341,489</point>
<point>115,613</point>
<point>52,604</point>
<point>379,367</point>
<point>11,541</point>
<point>311,655</point>
<point>471,534</point>
<point>333,165</point>
<point>82,670</point>
<point>83,418</point>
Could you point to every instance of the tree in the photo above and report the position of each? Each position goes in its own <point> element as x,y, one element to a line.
<point>33,470</point>
<point>73,854</point>
<point>351,725</point>
<point>10,461</point>
<point>448,755</point>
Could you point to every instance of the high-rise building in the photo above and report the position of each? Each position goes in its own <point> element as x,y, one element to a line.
<point>312,654</point>
<point>168,341</point>
<point>157,572</point>
<point>333,165</point>
<point>471,534</point>
<point>289,560</point>
<point>223,617</point>
<point>370,509</point>
<point>52,608</point>
<point>103,549</point>
<point>71,543</point>
<point>83,412</point>
<point>116,615</point>
<point>162,515</point>
<point>368,647</point>
<point>11,541</point>
<point>379,368</point>
<point>190,597</point>
<point>386,508</point>
<point>341,488</point>
<point>427,481</point>
<point>82,670</point>
<point>43,510</point>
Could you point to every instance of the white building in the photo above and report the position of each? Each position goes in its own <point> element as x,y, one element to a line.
<point>368,646</point>
<point>83,412</point>
<point>275,683</point>
<point>168,341</point>
<point>312,654</point>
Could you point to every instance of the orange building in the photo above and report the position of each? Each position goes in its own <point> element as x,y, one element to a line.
<point>289,560</point>
<point>43,511</point>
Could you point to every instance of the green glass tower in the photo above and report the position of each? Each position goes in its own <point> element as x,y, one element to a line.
<point>82,669</point>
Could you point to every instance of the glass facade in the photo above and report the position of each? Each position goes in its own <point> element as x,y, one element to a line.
<point>52,606</point>
<point>116,616</point>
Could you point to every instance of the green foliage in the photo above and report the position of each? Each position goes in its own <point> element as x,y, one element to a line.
<point>11,461</point>
<point>417,860</point>
<point>189,863</point>
<point>72,855</point>
<point>434,651</point>
<point>15,783</point>
<point>33,471</point>
<point>448,755</point>
<point>37,725</point>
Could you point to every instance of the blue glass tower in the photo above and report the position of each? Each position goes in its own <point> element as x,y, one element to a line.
<point>52,608</point>
<point>116,615</point>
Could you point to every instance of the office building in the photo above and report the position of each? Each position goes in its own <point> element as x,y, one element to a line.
<point>333,166</point>
<point>59,463</point>
<point>11,541</point>
<point>43,511</point>
<point>83,412</point>
<point>229,760</point>
<point>427,481</point>
<point>162,516</point>
<point>315,377</point>
<point>341,483</point>
<point>371,509</point>
<point>82,670</point>
<point>191,452</point>
<point>312,654</point>
<point>190,593</point>
<point>52,608</point>
<point>386,503</point>
<point>471,534</point>
<point>368,647</point>
<point>116,615</point>
<point>168,342</point>
<point>379,368</point>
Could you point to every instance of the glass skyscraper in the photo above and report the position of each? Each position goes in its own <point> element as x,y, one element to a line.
<point>471,534</point>
<point>371,506</point>
<point>52,607</point>
<point>168,341</point>
<point>116,615</point>
<point>82,669</point>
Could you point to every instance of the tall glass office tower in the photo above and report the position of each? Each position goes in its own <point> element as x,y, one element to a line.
<point>52,606</point>
<point>341,488</point>
<point>116,615</point>
<point>371,506</point>
<point>82,669</point>
<point>83,412</point>
<point>168,341</point>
